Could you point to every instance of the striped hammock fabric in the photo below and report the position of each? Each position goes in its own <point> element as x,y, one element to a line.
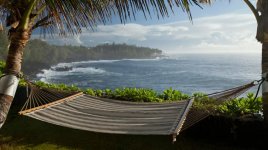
<point>112,116</point>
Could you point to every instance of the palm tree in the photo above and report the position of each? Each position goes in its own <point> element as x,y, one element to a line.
<point>63,17</point>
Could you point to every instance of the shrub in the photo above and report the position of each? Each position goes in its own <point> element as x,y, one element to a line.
<point>241,106</point>
<point>90,91</point>
<point>203,102</point>
<point>171,95</point>
<point>135,94</point>
<point>60,87</point>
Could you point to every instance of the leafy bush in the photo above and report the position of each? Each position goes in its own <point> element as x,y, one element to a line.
<point>135,94</point>
<point>127,94</point>
<point>202,101</point>
<point>172,95</point>
<point>90,91</point>
<point>60,87</point>
<point>241,106</point>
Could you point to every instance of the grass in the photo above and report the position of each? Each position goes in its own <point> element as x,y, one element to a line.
<point>21,133</point>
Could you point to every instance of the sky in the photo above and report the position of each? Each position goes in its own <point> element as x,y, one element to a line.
<point>221,28</point>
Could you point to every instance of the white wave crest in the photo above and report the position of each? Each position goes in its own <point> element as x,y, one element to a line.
<point>88,70</point>
<point>51,72</point>
<point>72,64</point>
<point>74,68</point>
<point>153,59</point>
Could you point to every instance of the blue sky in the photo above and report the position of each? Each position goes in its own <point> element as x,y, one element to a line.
<point>222,27</point>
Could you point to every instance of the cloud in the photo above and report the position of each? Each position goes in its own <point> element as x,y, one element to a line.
<point>231,32</point>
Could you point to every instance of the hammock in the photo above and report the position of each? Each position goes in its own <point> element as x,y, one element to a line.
<point>84,112</point>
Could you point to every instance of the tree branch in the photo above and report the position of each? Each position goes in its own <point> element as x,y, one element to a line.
<point>254,10</point>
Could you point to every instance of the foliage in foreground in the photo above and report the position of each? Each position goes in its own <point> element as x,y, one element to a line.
<point>241,106</point>
<point>232,108</point>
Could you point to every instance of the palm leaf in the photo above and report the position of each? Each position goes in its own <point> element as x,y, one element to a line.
<point>70,16</point>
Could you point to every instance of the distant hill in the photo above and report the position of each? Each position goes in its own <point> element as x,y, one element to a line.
<point>39,54</point>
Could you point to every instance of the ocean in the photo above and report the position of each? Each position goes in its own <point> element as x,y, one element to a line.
<point>188,73</point>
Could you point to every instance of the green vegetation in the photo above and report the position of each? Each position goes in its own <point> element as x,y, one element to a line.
<point>203,102</point>
<point>139,94</point>
<point>39,55</point>
<point>71,17</point>
<point>241,106</point>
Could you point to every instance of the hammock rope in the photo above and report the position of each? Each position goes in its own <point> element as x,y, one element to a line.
<point>196,116</point>
<point>79,111</point>
<point>39,97</point>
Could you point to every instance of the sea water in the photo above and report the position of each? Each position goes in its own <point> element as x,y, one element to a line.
<point>188,73</point>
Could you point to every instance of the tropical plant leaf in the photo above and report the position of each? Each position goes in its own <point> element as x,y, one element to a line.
<point>71,16</point>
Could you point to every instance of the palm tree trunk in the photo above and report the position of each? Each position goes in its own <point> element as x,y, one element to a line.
<point>265,84</point>
<point>264,21</point>
<point>9,82</point>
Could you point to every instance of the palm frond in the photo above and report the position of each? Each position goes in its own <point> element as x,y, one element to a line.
<point>70,16</point>
<point>205,1</point>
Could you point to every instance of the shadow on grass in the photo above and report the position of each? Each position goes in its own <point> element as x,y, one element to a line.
<point>29,133</point>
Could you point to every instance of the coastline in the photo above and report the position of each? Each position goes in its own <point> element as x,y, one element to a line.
<point>32,70</point>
